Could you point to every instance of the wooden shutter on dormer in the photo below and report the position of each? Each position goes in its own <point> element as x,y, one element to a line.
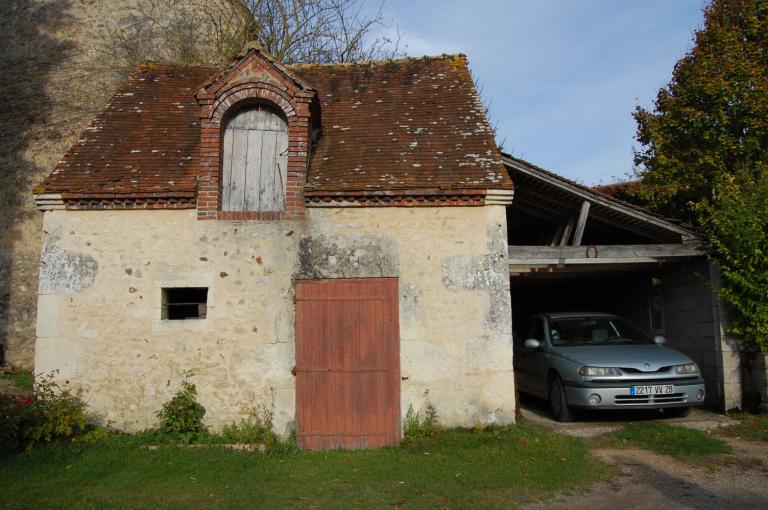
<point>255,161</point>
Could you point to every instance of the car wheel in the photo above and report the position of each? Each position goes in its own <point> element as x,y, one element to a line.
<point>677,412</point>
<point>557,401</point>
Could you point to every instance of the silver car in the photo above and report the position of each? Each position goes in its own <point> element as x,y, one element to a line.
<point>602,361</point>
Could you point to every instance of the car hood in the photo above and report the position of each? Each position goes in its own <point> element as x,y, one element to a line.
<point>628,356</point>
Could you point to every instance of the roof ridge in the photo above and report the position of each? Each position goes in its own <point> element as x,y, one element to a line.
<point>444,56</point>
<point>158,65</point>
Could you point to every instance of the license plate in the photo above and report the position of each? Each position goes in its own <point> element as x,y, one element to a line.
<point>663,389</point>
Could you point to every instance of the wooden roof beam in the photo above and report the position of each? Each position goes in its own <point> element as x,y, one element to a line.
<point>602,254</point>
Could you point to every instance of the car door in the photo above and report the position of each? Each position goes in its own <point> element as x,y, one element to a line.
<point>531,364</point>
<point>521,355</point>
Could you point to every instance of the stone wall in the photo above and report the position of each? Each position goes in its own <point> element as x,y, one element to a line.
<point>100,307</point>
<point>53,85</point>
<point>59,70</point>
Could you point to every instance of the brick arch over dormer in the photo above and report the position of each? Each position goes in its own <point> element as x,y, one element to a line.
<point>256,92</point>
<point>254,77</point>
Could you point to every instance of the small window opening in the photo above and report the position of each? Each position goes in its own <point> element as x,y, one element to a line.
<point>181,303</point>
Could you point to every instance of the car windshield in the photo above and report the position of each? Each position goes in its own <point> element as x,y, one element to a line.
<point>595,331</point>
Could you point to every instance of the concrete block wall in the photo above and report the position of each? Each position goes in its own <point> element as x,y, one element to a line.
<point>695,324</point>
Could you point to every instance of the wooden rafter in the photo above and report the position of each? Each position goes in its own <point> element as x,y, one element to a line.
<point>582,193</point>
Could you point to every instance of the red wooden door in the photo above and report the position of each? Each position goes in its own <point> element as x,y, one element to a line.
<point>347,363</point>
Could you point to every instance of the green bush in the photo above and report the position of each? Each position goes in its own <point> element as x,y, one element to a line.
<point>49,414</point>
<point>15,419</point>
<point>256,429</point>
<point>57,412</point>
<point>416,427</point>
<point>182,416</point>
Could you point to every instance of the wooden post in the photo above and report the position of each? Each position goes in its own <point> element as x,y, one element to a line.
<point>554,237</point>
<point>581,223</point>
<point>567,231</point>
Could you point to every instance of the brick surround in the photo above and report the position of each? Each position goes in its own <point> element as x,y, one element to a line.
<point>254,78</point>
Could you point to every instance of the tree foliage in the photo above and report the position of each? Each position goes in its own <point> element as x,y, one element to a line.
<point>712,118</point>
<point>214,31</point>
<point>736,223</point>
<point>704,154</point>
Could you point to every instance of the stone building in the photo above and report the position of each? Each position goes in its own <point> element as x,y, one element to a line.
<point>337,243</point>
<point>239,228</point>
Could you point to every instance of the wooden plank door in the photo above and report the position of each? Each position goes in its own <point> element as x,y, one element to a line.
<point>254,161</point>
<point>347,363</point>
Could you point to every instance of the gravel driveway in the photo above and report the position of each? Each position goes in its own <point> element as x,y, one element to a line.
<point>648,480</point>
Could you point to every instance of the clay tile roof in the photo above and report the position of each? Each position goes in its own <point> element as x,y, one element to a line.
<point>145,141</point>
<point>401,124</point>
<point>410,123</point>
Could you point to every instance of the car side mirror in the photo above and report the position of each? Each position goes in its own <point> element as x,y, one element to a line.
<point>659,340</point>
<point>532,343</point>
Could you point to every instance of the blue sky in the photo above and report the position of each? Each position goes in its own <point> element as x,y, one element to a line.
<point>562,76</point>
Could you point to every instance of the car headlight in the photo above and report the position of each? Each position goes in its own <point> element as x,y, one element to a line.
<point>600,372</point>
<point>688,368</point>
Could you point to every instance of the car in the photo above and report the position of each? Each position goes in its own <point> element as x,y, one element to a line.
<point>583,360</point>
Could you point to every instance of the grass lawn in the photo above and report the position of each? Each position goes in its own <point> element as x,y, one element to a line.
<point>750,426</point>
<point>456,469</point>
<point>21,380</point>
<point>671,440</point>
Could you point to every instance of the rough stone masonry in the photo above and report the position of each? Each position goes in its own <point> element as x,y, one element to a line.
<point>51,45</point>
<point>101,325</point>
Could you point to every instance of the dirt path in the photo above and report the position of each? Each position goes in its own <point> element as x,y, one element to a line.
<point>650,481</point>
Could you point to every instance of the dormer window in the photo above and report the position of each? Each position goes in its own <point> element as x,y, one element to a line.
<point>254,160</point>
<point>256,118</point>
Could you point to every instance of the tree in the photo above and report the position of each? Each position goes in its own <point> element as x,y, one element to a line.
<point>214,31</point>
<point>704,154</point>
<point>735,220</point>
<point>712,118</point>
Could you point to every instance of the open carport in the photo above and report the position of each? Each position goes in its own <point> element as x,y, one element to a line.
<point>573,249</point>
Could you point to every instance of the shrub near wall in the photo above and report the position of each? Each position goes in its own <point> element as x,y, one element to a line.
<point>49,414</point>
<point>182,416</point>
